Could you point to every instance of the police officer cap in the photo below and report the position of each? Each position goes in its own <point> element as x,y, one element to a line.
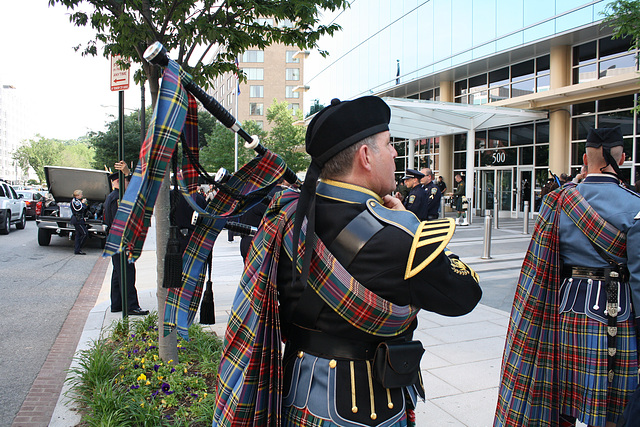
<point>412,173</point>
<point>343,123</point>
<point>605,137</point>
<point>114,176</point>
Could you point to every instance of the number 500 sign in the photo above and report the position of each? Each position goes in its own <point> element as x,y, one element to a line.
<point>498,157</point>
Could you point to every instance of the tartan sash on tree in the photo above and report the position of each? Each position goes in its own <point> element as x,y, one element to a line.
<point>131,223</point>
<point>529,391</point>
<point>249,388</point>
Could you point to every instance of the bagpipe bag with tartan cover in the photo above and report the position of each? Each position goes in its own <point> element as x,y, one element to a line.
<point>174,118</point>
<point>529,391</point>
<point>249,388</point>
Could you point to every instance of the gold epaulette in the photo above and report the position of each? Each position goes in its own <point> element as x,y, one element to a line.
<point>429,240</point>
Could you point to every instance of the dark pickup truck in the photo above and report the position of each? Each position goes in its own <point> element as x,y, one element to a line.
<point>55,218</point>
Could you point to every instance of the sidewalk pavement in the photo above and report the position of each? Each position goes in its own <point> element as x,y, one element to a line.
<point>461,364</point>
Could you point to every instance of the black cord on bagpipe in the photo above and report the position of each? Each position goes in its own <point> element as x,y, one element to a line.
<point>173,257</point>
<point>156,54</point>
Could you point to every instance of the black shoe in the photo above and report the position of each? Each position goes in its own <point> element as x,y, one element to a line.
<point>138,312</point>
<point>80,253</point>
<point>116,311</point>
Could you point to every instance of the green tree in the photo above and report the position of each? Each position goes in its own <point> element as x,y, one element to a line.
<point>623,16</point>
<point>285,138</point>
<point>77,154</point>
<point>38,153</point>
<point>220,149</point>
<point>105,143</point>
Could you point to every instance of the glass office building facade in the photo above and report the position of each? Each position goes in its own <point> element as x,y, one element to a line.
<point>547,55</point>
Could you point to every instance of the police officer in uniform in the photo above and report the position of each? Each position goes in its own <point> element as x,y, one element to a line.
<point>416,201</point>
<point>78,209</point>
<point>432,190</point>
<point>375,239</point>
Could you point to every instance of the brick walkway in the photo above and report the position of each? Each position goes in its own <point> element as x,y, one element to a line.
<point>41,400</point>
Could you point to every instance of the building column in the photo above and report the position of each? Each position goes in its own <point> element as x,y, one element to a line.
<point>411,154</point>
<point>446,142</point>
<point>560,120</point>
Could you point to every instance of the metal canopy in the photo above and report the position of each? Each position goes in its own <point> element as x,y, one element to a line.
<point>415,119</point>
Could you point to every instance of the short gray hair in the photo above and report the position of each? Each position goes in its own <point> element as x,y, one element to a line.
<point>341,164</point>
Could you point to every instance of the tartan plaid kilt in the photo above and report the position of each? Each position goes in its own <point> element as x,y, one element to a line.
<point>586,393</point>
<point>295,417</point>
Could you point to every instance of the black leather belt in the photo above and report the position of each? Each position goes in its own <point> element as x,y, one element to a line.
<point>583,272</point>
<point>328,346</point>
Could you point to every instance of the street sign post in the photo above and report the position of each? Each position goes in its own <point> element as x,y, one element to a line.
<point>119,76</point>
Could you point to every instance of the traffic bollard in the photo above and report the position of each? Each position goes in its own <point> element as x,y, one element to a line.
<point>525,230</point>
<point>486,247</point>
<point>442,205</point>
<point>496,213</point>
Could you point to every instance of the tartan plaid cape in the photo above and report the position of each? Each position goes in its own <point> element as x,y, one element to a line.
<point>249,387</point>
<point>529,393</point>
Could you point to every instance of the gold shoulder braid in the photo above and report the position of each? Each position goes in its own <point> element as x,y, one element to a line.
<point>429,240</point>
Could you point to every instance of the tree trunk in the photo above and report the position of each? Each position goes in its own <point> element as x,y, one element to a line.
<point>168,346</point>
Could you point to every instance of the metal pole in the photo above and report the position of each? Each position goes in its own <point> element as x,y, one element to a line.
<point>442,205</point>
<point>486,247</point>
<point>495,211</point>
<point>143,119</point>
<point>123,255</point>
<point>525,230</point>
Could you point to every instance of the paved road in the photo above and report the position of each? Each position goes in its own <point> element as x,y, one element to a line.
<point>39,285</point>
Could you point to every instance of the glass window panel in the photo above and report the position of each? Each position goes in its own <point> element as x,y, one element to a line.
<point>256,91</point>
<point>461,87</point>
<point>522,135</point>
<point>462,99</point>
<point>610,46</point>
<point>498,93</point>
<point>459,160</point>
<point>542,133</point>
<point>294,107</point>
<point>427,94</point>
<point>617,66</point>
<point>481,140</point>
<point>636,159</point>
<point>253,56</point>
<point>542,155</point>
<point>414,96</point>
<point>254,73</point>
<point>289,57</point>
<point>628,149</point>
<point>584,108</point>
<point>542,64</point>
<point>584,53</point>
<point>580,126</point>
<point>624,119</point>
<point>460,142</point>
<point>585,73</point>
<point>498,138</point>
<point>256,108</point>
<point>617,103</point>
<point>260,124</point>
<point>499,77</point>
<point>400,164</point>
<point>626,173</point>
<point>577,150</point>
<point>526,156</point>
<point>524,87</point>
<point>478,83</point>
<point>293,74</point>
<point>543,83</point>
<point>289,92</point>
<point>479,98</point>
<point>522,70</point>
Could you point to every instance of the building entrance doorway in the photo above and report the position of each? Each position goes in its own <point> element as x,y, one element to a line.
<point>496,189</point>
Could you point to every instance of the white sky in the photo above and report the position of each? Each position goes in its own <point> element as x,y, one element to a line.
<point>66,95</point>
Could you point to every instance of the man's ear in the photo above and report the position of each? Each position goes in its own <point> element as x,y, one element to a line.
<point>622,159</point>
<point>364,157</point>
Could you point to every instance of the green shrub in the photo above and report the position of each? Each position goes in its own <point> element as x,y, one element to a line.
<point>121,381</point>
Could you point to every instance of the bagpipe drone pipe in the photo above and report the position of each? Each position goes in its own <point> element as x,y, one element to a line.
<point>175,119</point>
